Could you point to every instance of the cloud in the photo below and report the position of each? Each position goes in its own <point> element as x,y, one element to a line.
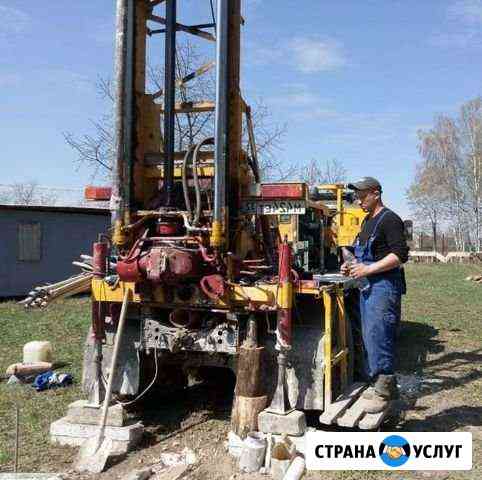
<point>312,55</point>
<point>13,21</point>
<point>303,54</point>
<point>296,95</point>
<point>467,11</point>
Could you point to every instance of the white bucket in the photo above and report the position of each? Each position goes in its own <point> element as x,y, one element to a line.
<point>252,453</point>
<point>37,351</point>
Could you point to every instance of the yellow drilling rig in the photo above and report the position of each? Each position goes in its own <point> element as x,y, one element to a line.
<point>218,269</point>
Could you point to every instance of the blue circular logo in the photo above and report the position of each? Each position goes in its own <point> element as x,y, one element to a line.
<point>394,451</point>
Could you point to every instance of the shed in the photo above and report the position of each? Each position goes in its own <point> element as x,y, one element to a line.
<point>39,243</point>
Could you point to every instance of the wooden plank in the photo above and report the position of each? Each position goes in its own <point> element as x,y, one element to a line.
<point>337,408</point>
<point>191,107</point>
<point>353,415</point>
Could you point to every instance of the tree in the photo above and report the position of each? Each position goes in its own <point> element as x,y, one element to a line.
<point>329,171</point>
<point>96,149</point>
<point>470,125</point>
<point>441,150</point>
<point>426,198</point>
<point>27,193</point>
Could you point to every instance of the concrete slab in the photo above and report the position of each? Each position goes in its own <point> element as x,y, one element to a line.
<point>79,412</point>
<point>294,423</point>
<point>123,439</point>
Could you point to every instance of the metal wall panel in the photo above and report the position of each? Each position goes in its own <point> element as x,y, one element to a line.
<point>29,242</point>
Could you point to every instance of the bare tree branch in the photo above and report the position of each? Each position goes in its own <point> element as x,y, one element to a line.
<point>95,149</point>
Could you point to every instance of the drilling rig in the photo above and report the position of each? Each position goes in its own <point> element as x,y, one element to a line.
<point>221,270</point>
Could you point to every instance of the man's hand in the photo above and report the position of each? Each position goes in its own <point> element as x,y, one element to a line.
<point>345,269</point>
<point>359,270</point>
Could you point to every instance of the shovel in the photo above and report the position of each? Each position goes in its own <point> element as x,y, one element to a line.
<point>96,450</point>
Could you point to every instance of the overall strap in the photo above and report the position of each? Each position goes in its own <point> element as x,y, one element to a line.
<point>375,228</point>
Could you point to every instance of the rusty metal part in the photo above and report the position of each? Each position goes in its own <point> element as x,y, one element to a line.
<point>169,264</point>
<point>285,292</point>
<point>99,311</point>
<point>168,229</point>
<point>213,286</point>
<point>99,258</point>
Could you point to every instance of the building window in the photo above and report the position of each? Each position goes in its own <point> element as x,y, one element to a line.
<point>29,236</point>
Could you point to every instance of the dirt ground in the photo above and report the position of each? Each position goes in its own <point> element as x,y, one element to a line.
<point>434,401</point>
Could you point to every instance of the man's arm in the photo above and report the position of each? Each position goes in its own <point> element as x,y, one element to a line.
<point>389,262</point>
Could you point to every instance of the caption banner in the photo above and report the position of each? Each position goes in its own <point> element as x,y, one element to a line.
<point>389,451</point>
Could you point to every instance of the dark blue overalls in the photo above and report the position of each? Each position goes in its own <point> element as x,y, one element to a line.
<point>380,311</point>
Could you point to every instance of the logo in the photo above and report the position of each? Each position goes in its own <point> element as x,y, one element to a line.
<point>394,451</point>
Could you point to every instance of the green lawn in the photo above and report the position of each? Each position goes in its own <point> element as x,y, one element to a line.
<point>64,325</point>
<point>441,338</point>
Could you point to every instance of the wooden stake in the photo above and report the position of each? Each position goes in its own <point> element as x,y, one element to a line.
<point>17,424</point>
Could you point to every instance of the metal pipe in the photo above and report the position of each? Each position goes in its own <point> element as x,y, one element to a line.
<point>221,119</point>
<point>123,116</point>
<point>117,205</point>
<point>169,100</point>
<point>185,186</point>
<point>197,188</point>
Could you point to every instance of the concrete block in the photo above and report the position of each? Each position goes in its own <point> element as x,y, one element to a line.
<point>78,412</point>
<point>123,439</point>
<point>294,423</point>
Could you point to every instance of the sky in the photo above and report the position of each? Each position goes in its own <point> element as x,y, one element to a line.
<point>352,81</point>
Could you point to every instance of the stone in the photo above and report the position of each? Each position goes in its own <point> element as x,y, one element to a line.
<point>141,474</point>
<point>123,438</point>
<point>79,412</point>
<point>172,473</point>
<point>294,423</point>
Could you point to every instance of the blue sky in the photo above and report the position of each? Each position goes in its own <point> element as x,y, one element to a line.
<point>354,80</point>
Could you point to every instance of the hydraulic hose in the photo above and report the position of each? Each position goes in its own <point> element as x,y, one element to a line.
<point>185,187</point>
<point>197,188</point>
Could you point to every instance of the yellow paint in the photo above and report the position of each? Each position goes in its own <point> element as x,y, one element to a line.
<point>348,225</point>
<point>118,236</point>
<point>342,337</point>
<point>157,171</point>
<point>265,294</point>
<point>289,229</point>
<point>285,295</point>
<point>327,342</point>
<point>217,238</point>
<point>102,292</point>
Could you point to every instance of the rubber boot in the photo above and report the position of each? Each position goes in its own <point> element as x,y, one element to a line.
<point>383,391</point>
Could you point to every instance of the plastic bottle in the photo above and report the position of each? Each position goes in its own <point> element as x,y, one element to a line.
<point>252,454</point>
<point>362,283</point>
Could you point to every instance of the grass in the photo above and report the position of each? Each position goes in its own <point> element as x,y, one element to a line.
<point>441,338</point>
<point>65,326</point>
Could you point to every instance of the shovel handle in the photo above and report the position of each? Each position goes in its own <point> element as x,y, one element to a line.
<point>113,361</point>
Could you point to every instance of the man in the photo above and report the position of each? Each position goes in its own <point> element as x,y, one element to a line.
<point>380,250</point>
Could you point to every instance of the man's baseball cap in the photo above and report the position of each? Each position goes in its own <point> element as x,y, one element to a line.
<point>366,183</point>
